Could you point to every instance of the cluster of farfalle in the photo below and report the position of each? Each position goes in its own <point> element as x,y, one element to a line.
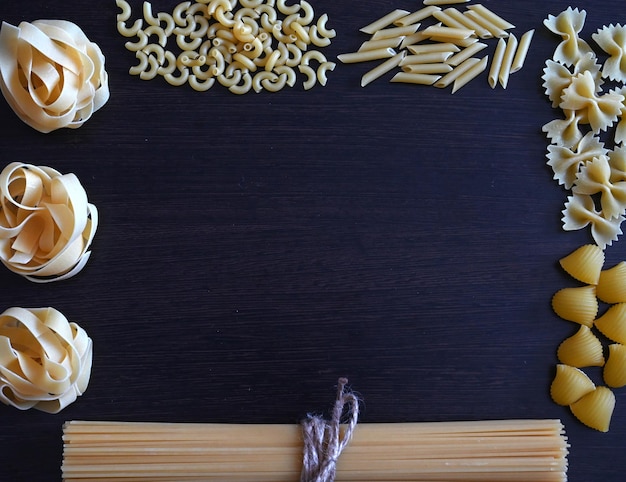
<point>51,74</point>
<point>574,81</point>
<point>593,405</point>
<point>46,222</point>
<point>45,360</point>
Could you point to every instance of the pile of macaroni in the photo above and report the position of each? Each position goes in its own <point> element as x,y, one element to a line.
<point>580,304</point>
<point>51,75</point>
<point>442,53</point>
<point>45,360</point>
<point>46,222</point>
<point>246,45</point>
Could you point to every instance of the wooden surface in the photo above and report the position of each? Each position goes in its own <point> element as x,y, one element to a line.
<point>252,249</point>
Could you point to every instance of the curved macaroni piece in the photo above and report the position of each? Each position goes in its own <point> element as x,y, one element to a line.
<point>612,39</point>
<point>583,349</point>
<point>599,111</point>
<point>568,24</point>
<point>51,75</point>
<point>578,304</point>
<point>569,385</point>
<point>566,162</point>
<point>612,323</point>
<point>595,409</point>
<point>584,264</point>
<point>612,284</point>
<point>311,76</point>
<point>580,212</point>
<point>45,360</point>
<point>594,178</point>
<point>46,223</point>
<point>614,372</point>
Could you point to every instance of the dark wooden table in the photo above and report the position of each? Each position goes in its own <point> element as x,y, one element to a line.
<point>252,249</point>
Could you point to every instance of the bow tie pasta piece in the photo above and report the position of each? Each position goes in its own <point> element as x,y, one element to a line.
<point>566,162</point>
<point>594,178</point>
<point>556,76</point>
<point>612,39</point>
<point>565,132</point>
<point>568,24</point>
<point>46,223</point>
<point>580,212</point>
<point>51,75</point>
<point>45,360</point>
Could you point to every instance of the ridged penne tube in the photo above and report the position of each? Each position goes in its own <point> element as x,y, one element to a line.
<point>382,69</point>
<point>583,349</point>
<point>466,53</point>
<point>614,371</point>
<point>427,57</point>
<point>578,304</point>
<point>470,74</point>
<point>384,21</point>
<point>367,55</point>
<point>437,68</point>
<point>612,323</point>
<point>395,32</point>
<point>569,385</point>
<point>457,72</point>
<point>522,51</point>
<point>411,78</point>
<point>584,264</point>
<point>595,409</point>
<point>496,63</point>
<point>612,284</point>
<point>417,16</point>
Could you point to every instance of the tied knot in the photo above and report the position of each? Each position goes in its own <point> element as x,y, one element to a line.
<point>325,440</point>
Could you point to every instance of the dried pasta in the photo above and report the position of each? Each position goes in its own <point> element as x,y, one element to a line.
<point>568,24</point>
<point>595,409</point>
<point>612,284</point>
<point>580,211</point>
<point>569,385</point>
<point>225,42</point>
<point>594,178</point>
<point>612,40</point>
<point>583,349</point>
<point>584,264</point>
<point>46,223</point>
<point>614,371</point>
<point>45,360</point>
<point>51,75</point>
<point>578,304</point>
<point>566,162</point>
<point>612,323</point>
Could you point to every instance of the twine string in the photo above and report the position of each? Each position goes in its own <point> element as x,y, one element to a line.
<point>323,440</point>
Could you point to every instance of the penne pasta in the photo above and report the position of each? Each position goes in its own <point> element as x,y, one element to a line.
<point>496,63</point>
<point>384,43</point>
<point>522,51</point>
<point>416,16</point>
<point>448,32</point>
<point>494,30</point>
<point>467,22</point>
<point>470,74</point>
<point>507,61</point>
<point>427,58</point>
<point>455,73</point>
<point>435,47</point>
<point>382,69</point>
<point>394,32</point>
<point>491,16</point>
<point>435,68</point>
<point>367,55</point>
<point>466,53</point>
<point>384,21</point>
<point>410,78</point>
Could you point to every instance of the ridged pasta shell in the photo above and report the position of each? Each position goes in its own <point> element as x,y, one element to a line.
<point>595,409</point>
<point>578,304</point>
<point>612,323</point>
<point>583,349</point>
<point>584,264</point>
<point>612,284</point>
<point>615,368</point>
<point>569,385</point>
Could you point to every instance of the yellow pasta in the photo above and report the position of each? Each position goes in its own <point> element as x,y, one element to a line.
<point>448,32</point>
<point>396,32</point>
<point>416,16</point>
<point>612,323</point>
<point>614,371</point>
<point>466,53</point>
<point>507,61</point>
<point>496,63</point>
<point>457,72</point>
<point>434,68</point>
<point>367,55</point>
<point>382,69</point>
<point>384,21</point>
<point>522,51</point>
<point>427,57</point>
<point>468,22</point>
<point>470,74</point>
<point>612,284</point>
<point>584,264</point>
<point>569,385</point>
<point>415,78</point>
<point>493,29</point>
<point>583,349</point>
<point>595,409</point>
<point>578,304</point>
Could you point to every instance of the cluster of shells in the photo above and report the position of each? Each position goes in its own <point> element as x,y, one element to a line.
<point>600,340</point>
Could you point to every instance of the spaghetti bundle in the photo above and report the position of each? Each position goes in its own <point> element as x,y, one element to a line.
<point>503,451</point>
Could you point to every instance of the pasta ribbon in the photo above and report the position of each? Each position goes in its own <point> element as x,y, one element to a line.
<point>46,223</point>
<point>45,360</point>
<point>51,75</point>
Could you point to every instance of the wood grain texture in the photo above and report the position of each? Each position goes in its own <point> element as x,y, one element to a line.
<point>252,249</point>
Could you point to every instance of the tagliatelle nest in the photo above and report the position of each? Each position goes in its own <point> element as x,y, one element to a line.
<point>45,360</point>
<point>51,75</point>
<point>46,223</point>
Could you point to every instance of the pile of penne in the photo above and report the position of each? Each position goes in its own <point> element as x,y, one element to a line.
<point>436,46</point>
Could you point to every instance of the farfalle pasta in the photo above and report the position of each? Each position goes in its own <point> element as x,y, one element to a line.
<point>595,178</point>
<point>580,211</point>
<point>46,222</point>
<point>557,76</point>
<point>568,24</point>
<point>45,360</point>
<point>51,74</point>
<point>612,39</point>
<point>566,161</point>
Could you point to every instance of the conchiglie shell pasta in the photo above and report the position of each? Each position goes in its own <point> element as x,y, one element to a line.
<point>569,385</point>
<point>595,409</point>
<point>582,349</point>
<point>612,284</point>
<point>584,264</point>
<point>578,304</point>
<point>615,368</point>
<point>612,323</point>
